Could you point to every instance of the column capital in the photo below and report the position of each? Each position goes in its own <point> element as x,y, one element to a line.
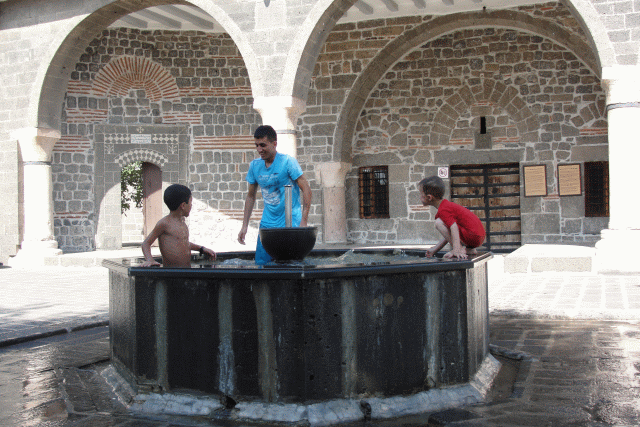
<point>36,144</point>
<point>622,84</point>
<point>332,174</point>
<point>280,112</point>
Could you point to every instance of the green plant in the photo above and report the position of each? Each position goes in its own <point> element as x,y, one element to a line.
<point>131,186</point>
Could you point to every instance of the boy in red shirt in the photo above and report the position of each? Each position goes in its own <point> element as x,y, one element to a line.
<point>457,224</point>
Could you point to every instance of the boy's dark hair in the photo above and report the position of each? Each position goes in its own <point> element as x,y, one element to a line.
<point>433,185</point>
<point>265,130</point>
<point>175,195</point>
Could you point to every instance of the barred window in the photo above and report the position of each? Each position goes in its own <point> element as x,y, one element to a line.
<point>373,184</point>
<point>596,189</point>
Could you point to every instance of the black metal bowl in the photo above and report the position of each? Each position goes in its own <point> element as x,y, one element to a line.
<point>288,243</point>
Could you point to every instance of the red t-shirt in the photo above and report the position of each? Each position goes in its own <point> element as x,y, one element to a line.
<point>472,232</point>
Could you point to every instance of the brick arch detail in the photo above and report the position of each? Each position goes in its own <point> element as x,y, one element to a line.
<point>141,154</point>
<point>133,72</point>
<point>494,93</point>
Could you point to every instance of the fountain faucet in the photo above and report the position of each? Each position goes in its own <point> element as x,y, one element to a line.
<point>287,205</point>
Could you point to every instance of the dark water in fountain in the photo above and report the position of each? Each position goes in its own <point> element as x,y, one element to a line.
<point>349,257</point>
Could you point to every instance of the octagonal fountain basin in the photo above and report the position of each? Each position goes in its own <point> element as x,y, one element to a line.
<point>340,337</point>
<point>288,243</point>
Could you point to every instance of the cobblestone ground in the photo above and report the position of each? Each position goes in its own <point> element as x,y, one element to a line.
<point>566,373</point>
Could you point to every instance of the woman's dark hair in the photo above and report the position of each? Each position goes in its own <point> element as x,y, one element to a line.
<point>175,195</point>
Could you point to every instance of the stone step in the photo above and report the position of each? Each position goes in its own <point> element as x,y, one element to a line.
<point>539,258</point>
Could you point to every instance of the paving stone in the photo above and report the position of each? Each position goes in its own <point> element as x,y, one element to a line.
<point>574,368</point>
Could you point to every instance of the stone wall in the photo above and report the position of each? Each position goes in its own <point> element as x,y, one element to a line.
<point>133,225</point>
<point>155,79</point>
<point>543,106</point>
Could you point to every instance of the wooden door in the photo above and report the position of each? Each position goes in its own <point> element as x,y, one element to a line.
<point>152,196</point>
<point>493,193</point>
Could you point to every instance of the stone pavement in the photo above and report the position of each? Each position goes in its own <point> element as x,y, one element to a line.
<point>40,302</point>
<point>570,340</point>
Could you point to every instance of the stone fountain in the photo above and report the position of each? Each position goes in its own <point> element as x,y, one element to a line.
<point>297,342</point>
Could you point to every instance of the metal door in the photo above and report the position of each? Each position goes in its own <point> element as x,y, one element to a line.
<point>493,193</point>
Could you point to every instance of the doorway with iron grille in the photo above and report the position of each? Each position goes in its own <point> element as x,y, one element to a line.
<point>492,192</point>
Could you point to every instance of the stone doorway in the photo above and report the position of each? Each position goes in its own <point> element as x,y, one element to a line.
<point>165,146</point>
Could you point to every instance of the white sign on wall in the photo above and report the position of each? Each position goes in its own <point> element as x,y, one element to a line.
<point>443,172</point>
<point>141,138</point>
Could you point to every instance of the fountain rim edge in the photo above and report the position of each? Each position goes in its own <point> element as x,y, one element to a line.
<point>292,271</point>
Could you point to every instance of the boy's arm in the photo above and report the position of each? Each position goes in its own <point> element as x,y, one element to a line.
<point>202,250</point>
<point>146,245</point>
<point>248,208</point>
<point>306,199</point>
<point>436,248</point>
<point>457,249</point>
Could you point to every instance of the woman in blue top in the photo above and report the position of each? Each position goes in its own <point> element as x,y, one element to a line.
<point>271,172</point>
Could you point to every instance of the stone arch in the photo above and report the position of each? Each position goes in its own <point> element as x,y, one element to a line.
<point>494,93</point>
<point>67,45</point>
<point>596,33</point>
<point>431,30</point>
<point>325,14</point>
<point>141,154</point>
<point>306,48</point>
<point>134,72</point>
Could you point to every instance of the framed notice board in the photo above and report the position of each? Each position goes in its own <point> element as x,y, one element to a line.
<point>569,182</point>
<point>535,180</point>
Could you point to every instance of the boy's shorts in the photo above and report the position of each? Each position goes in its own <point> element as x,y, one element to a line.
<point>471,240</point>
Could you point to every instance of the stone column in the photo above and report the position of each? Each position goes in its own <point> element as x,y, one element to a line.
<point>281,113</point>
<point>36,146</point>
<point>616,251</point>
<point>333,201</point>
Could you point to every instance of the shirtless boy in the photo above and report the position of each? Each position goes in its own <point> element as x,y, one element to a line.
<point>458,225</point>
<point>173,233</point>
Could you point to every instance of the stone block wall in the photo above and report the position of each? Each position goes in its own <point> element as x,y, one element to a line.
<point>542,104</point>
<point>133,225</point>
<point>155,78</point>
<point>538,99</point>
<point>32,32</point>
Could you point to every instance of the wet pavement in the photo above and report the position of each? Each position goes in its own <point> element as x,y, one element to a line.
<point>570,344</point>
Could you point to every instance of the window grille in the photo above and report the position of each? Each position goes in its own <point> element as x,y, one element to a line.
<point>596,189</point>
<point>373,183</point>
